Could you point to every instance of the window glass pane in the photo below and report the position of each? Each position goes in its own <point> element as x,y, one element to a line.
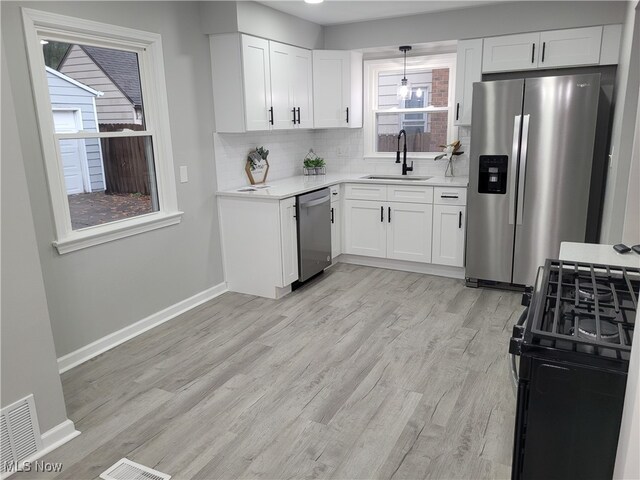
<point>108,179</point>
<point>101,84</point>
<point>425,131</point>
<point>429,87</point>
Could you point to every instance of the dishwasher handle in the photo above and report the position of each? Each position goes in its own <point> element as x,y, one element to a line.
<point>314,202</point>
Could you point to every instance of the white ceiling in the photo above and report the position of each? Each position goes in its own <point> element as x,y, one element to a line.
<point>332,12</point>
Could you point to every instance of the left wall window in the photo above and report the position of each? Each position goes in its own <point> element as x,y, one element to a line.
<point>102,110</point>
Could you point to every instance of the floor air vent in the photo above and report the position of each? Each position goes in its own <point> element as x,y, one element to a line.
<point>125,469</point>
<point>19,433</point>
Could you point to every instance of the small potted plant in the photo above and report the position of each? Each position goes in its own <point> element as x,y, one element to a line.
<point>309,168</point>
<point>319,166</point>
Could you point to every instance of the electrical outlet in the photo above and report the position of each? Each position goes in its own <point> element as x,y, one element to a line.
<point>341,151</point>
<point>184,174</point>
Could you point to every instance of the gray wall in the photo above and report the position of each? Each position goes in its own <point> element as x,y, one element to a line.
<point>28,355</point>
<point>623,130</point>
<point>101,289</point>
<point>64,94</point>
<point>481,21</point>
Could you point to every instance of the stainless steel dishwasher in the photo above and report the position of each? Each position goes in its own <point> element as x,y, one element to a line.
<point>314,232</point>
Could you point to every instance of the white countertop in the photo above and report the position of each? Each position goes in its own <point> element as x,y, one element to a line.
<point>289,187</point>
<point>602,254</point>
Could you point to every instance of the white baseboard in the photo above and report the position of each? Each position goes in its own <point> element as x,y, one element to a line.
<point>114,339</point>
<point>427,268</point>
<point>51,439</point>
<point>57,436</point>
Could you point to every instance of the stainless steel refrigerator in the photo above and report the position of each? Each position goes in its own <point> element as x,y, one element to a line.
<point>532,146</point>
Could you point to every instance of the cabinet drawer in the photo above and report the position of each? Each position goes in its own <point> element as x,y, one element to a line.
<point>335,193</point>
<point>409,194</point>
<point>364,191</point>
<point>450,196</point>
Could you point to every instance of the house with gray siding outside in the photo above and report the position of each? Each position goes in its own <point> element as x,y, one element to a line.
<point>113,72</point>
<point>73,106</point>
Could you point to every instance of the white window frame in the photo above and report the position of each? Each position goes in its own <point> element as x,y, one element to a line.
<point>148,46</point>
<point>371,70</point>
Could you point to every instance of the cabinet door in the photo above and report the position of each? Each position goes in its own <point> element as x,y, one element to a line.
<point>448,235</point>
<point>511,52</point>
<point>281,92</point>
<point>336,229</point>
<point>302,86</point>
<point>468,71</point>
<point>257,82</point>
<point>409,231</point>
<point>331,85</point>
<point>289,238</point>
<point>365,228</point>
<point>575,46</point>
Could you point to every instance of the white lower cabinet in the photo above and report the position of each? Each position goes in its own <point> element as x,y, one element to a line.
<point>409,231</point>
<point>260,246</point>
<point>400,231</point>
<point>336,229</point>
<point>289,236</point>
<point>365,228</point>
<point>448,235</point>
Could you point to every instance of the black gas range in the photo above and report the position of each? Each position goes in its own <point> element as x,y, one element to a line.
<point>574,342</point>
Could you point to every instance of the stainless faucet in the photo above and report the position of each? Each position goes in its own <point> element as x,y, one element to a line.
<point>405,168</point>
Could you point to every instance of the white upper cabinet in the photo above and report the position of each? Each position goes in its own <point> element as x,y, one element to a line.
<point>468,71</point>
<point>259,84</point>
<point>510,52</point>
<point>557,48</point>
<point>256,67</point>
<point>291,86</point>
<point>337,88</point>
<point>577,46</point>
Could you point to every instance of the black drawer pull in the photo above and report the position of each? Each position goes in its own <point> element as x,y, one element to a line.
<point>460,220</point>
<point>298,115</point>
<point>332,215</point>
<point>382,214</point>
<point>294,115</point>
<point>347,114</point>
<point>457,111</point>
<point>544,46</point>
<point>533,53</point>
<point>389,214</point>
<point>448,196</point>
<point>271,115</point>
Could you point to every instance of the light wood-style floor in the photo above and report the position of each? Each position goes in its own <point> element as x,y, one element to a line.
<point>366,373</point>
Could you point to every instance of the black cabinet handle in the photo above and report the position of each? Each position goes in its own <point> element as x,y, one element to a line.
<point>544,46</point>
<point>382,214</point>
<point>448,196</point>
<point>347,114</point>
<point>271,115</point>
<point>389,214</point>
<point>294,115</point>
<point>460,219</point>
<point>298,115</point>
<point>533,53</point>
<point>457,111</point>
<point>332,215</point>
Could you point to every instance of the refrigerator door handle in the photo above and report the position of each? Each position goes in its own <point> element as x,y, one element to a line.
<point>514,162</point>
<point>523,169</point>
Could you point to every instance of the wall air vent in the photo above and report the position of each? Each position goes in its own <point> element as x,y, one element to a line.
<point>125,469</point>
<point>20,434</point>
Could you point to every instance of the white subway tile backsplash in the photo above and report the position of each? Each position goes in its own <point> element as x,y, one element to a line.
<point>342,149</point>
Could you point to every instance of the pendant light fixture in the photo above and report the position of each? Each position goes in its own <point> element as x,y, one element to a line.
<point>404,89</point>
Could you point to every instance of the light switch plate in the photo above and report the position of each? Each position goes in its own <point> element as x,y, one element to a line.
<point>184,174</point>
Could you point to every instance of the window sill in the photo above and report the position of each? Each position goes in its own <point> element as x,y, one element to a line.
<point>92,236</point>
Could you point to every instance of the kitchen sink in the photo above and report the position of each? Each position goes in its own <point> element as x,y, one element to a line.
<point>396,177</point>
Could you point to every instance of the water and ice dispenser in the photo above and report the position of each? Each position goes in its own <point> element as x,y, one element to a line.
<point>492,175</point>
